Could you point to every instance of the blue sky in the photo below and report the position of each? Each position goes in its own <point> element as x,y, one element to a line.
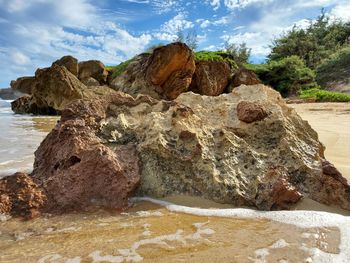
<point>34,33</point>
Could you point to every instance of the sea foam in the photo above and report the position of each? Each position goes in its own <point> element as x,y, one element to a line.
<point>303,219</point>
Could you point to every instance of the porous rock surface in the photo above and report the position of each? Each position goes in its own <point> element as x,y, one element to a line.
<point>163,75</point>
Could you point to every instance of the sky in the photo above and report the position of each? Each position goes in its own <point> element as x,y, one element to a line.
<point>34,33</point>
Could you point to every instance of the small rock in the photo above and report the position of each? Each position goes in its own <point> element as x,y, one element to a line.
<point>250,111</point>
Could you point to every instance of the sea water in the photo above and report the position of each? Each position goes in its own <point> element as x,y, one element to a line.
<point>20,135</point>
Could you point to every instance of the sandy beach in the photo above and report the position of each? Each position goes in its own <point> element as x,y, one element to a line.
<point>332,123</point>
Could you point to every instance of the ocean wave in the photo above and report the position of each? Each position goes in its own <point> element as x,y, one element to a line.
<point>303,219</point>
<point>5,103</point>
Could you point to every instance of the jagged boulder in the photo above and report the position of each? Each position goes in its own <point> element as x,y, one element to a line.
<point>243,77</point>
<point>23,84</point>
<point>165,74</point>
<point>210,77</point>
<point>94,69</point>
<point>194,145</point>
<point>70,63</point>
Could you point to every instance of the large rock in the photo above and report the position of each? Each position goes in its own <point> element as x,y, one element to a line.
<point>171,67</point>
<point>210,77</point>
<point>55,88</point>
<point>70,63</point>
<point>164,74</point>
<point>243,77</point>
<point>195,145</point>
<point>94,69</point>
<point>24,84</point>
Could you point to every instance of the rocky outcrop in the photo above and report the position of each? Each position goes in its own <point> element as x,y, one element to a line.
<point>93,69</point>
<point>70,63</point>
<point>195,145</point>
<point>243,77</point>
<point>23,84</point>
<point>210,77</point>
<point>165,74</point>
<point>55,88</point>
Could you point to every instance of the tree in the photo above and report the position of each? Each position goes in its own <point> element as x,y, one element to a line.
<point>239,53</point>
<point>314,43</point>
<point>191,38</point>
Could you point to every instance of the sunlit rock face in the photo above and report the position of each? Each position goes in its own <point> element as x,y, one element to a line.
<point>164,74</point>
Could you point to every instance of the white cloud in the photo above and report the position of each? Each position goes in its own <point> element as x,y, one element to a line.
<point>341,11</point>
<point>177,22</point>
<point>19,58</point>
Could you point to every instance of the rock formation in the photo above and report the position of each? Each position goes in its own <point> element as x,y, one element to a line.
<point>165,74</point>
<point>55,87</point>
<point>93,69</point>
<point>210,77</point>
<point>243,77</point>
<point>194,145</point>
<point>23,84</point>
<point>70,63</point>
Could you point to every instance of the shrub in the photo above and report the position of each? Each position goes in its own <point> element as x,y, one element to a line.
<point>288,75</point>
<point>119,69</point>
<point>324,95</point>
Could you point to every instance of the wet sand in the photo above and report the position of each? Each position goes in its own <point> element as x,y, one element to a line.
<point>332,123</point>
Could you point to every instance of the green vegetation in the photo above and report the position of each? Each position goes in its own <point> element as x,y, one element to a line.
<point>313,44</point>
<point>335,68</point>
<point>288,75</point>
<point>216,56</point>
<point>119,69</point>
<point>239,53</point>
<point>324,95</point>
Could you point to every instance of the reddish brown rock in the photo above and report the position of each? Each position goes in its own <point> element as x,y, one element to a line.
<point>77,170</point>
<point>70,63</point>
<point>24,84</point>
<point>171,68</point>
<point>21,196</point>
<point>250,111</point>
<point>243,77</point>
<point>94,69</point>
<point>275,191</point>
<point>210,77</point>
